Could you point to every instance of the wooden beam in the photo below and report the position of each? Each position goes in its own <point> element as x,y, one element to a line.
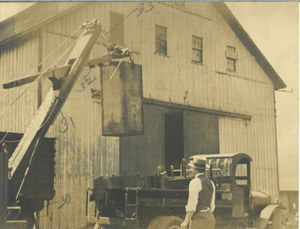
<point>54,101</point>
<point>197,109</point>
<point>58,73</point>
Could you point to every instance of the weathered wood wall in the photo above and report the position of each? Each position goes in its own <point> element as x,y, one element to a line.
<point>17,58</point>
<point>201,134</point>
<point>142,154</point>
<point>83,154</point>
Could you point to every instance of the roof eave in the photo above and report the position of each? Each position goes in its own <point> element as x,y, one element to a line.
<point>29,15</point>
<point>250,45</point>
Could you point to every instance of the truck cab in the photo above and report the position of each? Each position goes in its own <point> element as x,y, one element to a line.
<point>231,175</point>
<point>235,199</point>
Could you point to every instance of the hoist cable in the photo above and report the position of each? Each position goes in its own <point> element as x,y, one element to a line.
<point>22,93</point>
<point>44,59</point>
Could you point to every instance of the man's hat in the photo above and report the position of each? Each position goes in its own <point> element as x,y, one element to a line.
<point>196,162</point>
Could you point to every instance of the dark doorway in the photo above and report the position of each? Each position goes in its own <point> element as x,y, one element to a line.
<point>173,139</point>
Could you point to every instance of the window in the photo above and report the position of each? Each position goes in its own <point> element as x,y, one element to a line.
<point>231,56</point>
<point>231,49</point>
<point>241,174</point>
<point>117,28</point>
<point>197,49</point>
<point>231,64</point>
<point>161,39</point>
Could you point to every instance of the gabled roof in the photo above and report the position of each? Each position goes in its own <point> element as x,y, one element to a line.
<point>40,14</point>
<point>250,45</point>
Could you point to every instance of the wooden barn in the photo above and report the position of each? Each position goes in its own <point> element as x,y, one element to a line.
<point>206,89</point>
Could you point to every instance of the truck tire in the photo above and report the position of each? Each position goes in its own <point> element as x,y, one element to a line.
<point>155,222</point>
<point>165,222</point>
<point>278,220</point>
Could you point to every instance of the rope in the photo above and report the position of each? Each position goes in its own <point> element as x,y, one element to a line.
<point>3,138</point>
<point>13,101</point>
<point>27,168</point>
<point>22,93</point>
<point>33,69</point>
<point>64,53</point>
<point>16,120</point>
<point>112,75</point>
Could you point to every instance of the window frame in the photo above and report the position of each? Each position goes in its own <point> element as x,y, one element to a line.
<point>158,39</point>
<point>232,57</point>
<point>231,64</point>
<point>197,49</point>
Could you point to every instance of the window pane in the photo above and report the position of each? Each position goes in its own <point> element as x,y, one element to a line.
<point>197,55</point>
<point>241,174</point>
<point>230,49</point>
<point>161,47</point>
<point>241,170</point>
<point>197,42</point>
<point>160,32</point>
<point>231,64</point>
<point>161,39</point>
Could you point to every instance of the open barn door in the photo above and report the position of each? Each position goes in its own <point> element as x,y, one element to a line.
<point>173,137</point>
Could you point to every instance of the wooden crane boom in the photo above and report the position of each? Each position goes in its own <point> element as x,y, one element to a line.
<point>55,99</point>
<point>63,79</point>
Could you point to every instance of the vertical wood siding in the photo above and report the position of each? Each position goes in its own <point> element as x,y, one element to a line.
<point>83,154</point>
<point>201,134</point>
<point>255,138</point>
<point>142,154</point>
<point>18,58</point>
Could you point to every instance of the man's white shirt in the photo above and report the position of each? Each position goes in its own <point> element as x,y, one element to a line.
<point>195,187</point>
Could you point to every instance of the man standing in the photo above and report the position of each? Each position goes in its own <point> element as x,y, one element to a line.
<point>201,201</point>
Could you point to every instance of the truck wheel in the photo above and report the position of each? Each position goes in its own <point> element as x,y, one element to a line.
<point>165,222</point>
<point>278,220</point>
<point>155,222</point>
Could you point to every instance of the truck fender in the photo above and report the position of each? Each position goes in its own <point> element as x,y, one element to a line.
<point>266,213</point>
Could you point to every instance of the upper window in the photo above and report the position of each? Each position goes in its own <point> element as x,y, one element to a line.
<point>231,64</point>
<point>231,49</point>
<point>161,39</point>
<point>117,28</point>
<point>231,56</point>
<point>197,49</point>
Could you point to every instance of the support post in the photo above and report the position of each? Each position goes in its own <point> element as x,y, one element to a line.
<point>3,187</point>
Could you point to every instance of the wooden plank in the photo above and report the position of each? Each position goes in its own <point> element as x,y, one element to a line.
<point>197,109</point>
<point>58,73</point>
